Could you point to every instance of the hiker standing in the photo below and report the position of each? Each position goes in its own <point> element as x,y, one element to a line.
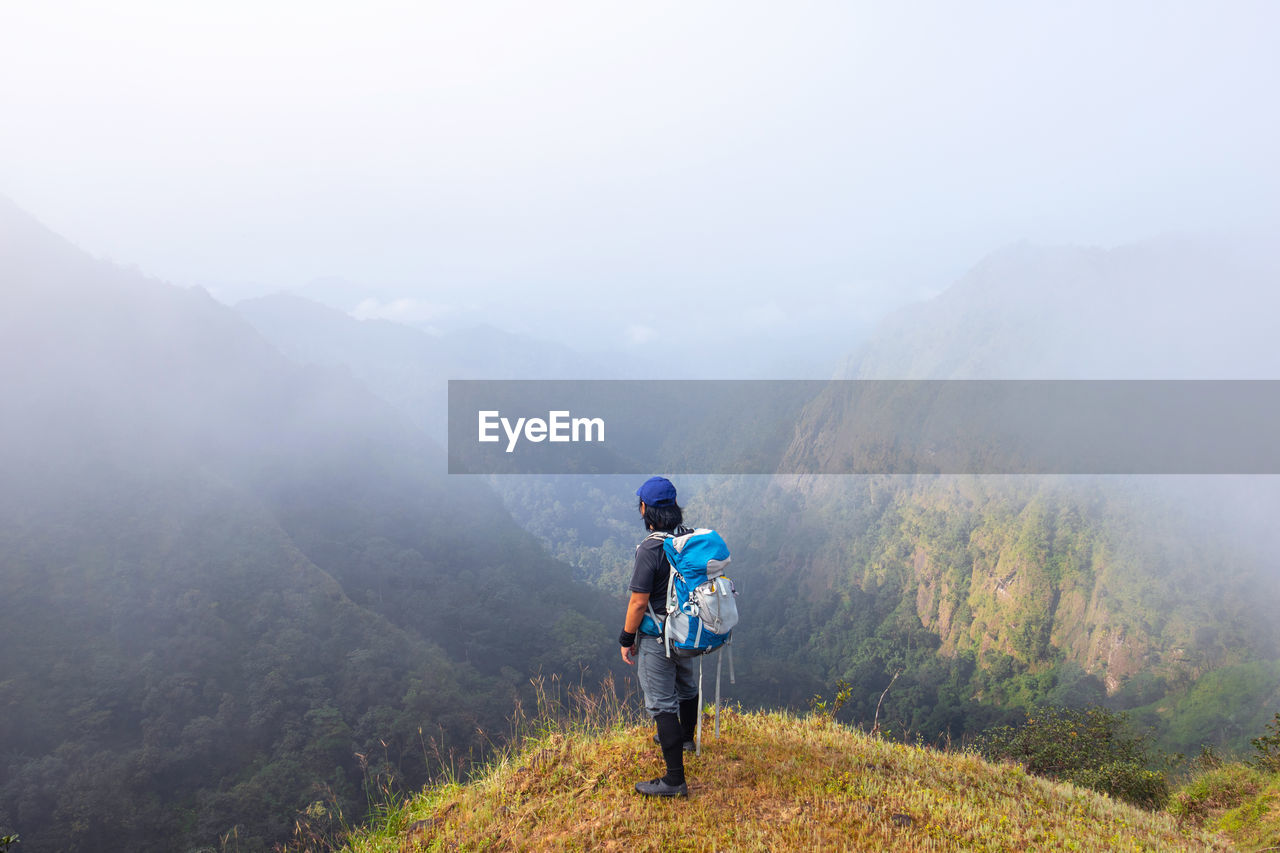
<point>670,690</point>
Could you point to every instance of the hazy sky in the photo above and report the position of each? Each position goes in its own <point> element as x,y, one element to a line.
<point>555,165</point>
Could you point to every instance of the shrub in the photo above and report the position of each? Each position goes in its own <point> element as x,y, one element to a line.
<point>1214,791</point>
<point>822,708</point>
<point>1090,747</point>
<point>1268,746</point>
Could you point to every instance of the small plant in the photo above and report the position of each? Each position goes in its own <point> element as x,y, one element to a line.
<point>1090,747</point>
<point>7,841</point>
<point>1207,760</point>
<point>822,708</point>
<point>1268,746</point>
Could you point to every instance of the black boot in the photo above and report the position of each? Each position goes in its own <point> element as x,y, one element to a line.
<point>671,739</point>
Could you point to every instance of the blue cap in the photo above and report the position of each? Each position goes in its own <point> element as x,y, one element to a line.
<point>657,491</point>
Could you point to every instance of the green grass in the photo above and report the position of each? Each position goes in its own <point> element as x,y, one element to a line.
<point>772,781</point>
<point>1235,800</point>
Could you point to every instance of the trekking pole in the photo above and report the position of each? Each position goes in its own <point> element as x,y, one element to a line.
<point>728,646</point>
<point>697,735</point>
<point>719,660</point>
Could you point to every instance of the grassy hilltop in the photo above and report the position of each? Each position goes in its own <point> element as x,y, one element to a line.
<point>772,781</point>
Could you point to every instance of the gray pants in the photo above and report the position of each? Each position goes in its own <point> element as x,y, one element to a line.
<point>666,681</point>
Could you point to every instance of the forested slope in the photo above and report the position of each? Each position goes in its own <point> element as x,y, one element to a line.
<point>232,584</point>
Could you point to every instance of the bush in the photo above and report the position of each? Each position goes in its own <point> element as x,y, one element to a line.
<point>1268,746</point>
<point>1090,747</point>
<point>1215,790</point>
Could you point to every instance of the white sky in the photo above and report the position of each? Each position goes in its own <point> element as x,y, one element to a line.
<point>552,166</point>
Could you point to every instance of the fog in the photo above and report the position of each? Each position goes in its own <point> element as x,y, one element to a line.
<point>233,564</point>
<point>556,169</point>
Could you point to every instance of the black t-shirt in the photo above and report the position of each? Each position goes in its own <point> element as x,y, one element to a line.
<point>652,571</point>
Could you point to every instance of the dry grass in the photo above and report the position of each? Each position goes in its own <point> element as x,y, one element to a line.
<point>771,782</point>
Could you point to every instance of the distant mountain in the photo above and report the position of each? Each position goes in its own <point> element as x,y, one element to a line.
<point>408,366</point>
<point>1165,309</point>
<point>231,583</point>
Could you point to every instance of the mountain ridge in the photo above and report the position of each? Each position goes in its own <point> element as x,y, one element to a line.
<point>1173,308</point>
<point>771,781</point>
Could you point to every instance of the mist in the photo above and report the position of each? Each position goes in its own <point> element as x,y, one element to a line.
<point>245,247</point>
<point>550,170</point>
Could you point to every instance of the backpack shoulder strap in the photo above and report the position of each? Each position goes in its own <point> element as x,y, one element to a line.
<point>661,623</point>
<point>661,535</point>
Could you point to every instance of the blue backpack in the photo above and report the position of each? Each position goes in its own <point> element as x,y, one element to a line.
<point>701,605</point>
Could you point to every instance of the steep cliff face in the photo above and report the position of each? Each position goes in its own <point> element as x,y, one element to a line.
<point>1051,572</point>
<point>1030,584</point>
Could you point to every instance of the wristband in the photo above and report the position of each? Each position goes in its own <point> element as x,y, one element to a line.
<point>627,639</point>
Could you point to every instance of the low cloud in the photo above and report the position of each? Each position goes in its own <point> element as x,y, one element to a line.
<point>638,334</point>
<point>408,310</point>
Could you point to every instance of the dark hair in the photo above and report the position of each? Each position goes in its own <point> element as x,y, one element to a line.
<point>667,517</point>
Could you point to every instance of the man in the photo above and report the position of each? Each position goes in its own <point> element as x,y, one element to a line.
<point>670,690</point>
